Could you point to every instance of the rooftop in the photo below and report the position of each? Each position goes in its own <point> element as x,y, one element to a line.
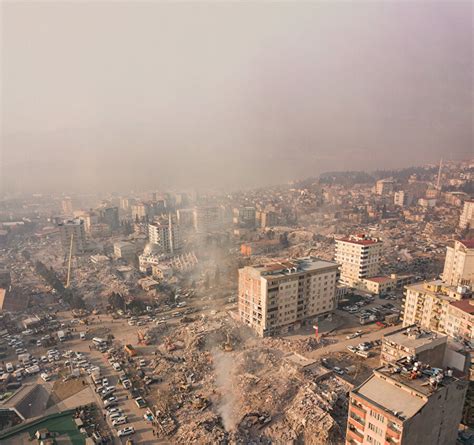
<point>412,337</point>
<point>465,305</point>
<point>282,268</point>
<point>360,239</point>
<point>467,243</point>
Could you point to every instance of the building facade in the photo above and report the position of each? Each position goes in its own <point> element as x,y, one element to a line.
<point>359,257</point>
<point>406,408</point>
<point>166,235</point>
<point>436,306</point>
<point>384,187</point>
<point>459,263</point>
<point>466,219</point>
<point>279,297</point>
<point>206,219</point>
<point>73,229</point>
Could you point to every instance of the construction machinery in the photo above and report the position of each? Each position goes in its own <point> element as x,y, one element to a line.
<point>227,345</point>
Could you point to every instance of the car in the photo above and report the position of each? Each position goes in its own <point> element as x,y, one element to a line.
<point>105,382</point>
<point>108,405</point>
<point>117,366</point>
<point>9,367</point>
<point>120,421</point>
<point>354,335</point>
<point>114,410</point>
<point>338,370</point>
<point>38,343</point>
<point>126,383</point>
<point>127,431</point>
<point>116,415</point>
<point>140,402</point>
<point>352,348</point>
<point>111,399</point>
<point>142,363</point>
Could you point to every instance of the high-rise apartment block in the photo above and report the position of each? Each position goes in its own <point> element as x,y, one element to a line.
<point>459,263</point>
<point>437,306</point>
<point>206,219</point>
<point>166,235</point>
<point>406,403</point>
<point>402,198</point>
<point>384,187</point>
<point>73,230</point>
<point>359,257</point>
<point>110,215</point>
<point>467,216</point>
<point>67,207</point>
<point>281,296</point>
<point>244,217</point>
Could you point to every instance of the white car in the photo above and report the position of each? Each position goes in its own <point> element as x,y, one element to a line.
<point>142,363</point>
<point>120,421</point>
<point>126,431</point>
<point>9,367</point>
<point>116,415</point>
<point>117,366</point>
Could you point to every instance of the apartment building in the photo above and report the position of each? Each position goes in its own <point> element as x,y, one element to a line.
<point>436,306</point>
<point>387,283</point>
<point>166,235</point>
<point>427,346</point>
<point>67,207</point>
<point>418,405</point>
<point>402,198</point>
<point>281,296</point>
<point>207,219</point>
<point>73,230</point>
<point>459,263</point>
<point>244,217</point>
<point>466,219</point>
<point>359,257</point>
<point>384,187</point>
<point>124,249</point>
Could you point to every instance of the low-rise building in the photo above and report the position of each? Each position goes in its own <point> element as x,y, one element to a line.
<point>427,346</point>
<point>382,285</point>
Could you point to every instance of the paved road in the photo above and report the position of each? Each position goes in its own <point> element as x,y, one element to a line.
<point>342,345</point>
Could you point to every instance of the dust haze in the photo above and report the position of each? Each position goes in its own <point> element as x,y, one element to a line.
<point>116,96</point>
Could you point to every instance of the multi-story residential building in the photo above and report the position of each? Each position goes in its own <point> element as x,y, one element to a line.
<point>67,207</point>
<point>402,198</point>
<point>436,306</point>
<point>387,283</point>
<point>466,219</point>
<point>109,216</point>
<point>244,217</point>
<point>207,219</point>
<point>459,263</point>
<point>359,257</point>
<point>268,219</point>
<point>166,235</point>
<point>140,211</point>
<point>384,187</point>
<point>281,296</point>
<point>427,346</point>
<point>124,249</point>
<point>73,230</point>
<point>407,407</point>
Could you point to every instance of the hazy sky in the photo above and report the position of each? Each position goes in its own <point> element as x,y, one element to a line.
<point>133,95</point>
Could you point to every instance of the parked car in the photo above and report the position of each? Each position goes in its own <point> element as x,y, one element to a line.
<point>127,431</point>
<point>140,402</point>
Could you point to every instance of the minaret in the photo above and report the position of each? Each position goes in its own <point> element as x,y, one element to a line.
<point>438,182</point>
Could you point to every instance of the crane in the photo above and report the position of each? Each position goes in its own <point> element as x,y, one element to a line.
<point>68,279</point>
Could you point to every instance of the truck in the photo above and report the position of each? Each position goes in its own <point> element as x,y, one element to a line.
<point>130,350</point>
<point>61,336</point>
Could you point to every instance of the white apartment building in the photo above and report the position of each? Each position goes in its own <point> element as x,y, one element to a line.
<point>166,235</point>
<point>73,230</point>
<point>467,216</point>
<point>459,263</point>
<point>281,296</point>
<point>207,219</point>
<point>359,257</point>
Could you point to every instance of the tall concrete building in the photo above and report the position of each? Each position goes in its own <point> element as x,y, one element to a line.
<point>402,198</point>
<point>281,296</point>
<point>244,217</point>
<point>439,307</point>
<point>466,219</point>
<point>418,405</point>
<point>110,215</point>
<point>359,257</point>
<point>384,187</point>
<point>207,219</point>
<point>166,235</point>
<point>459,263</point>
<point>67,207</point>
<point>73,229</point>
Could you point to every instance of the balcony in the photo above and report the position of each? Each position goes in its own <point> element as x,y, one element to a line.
<point>358,411</point>
<point>355,435</point>
<point>357,422</point>
<point>393,432</point>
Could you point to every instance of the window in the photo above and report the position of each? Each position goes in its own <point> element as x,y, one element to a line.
<point>377,416</point>
<point>375,429</point>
